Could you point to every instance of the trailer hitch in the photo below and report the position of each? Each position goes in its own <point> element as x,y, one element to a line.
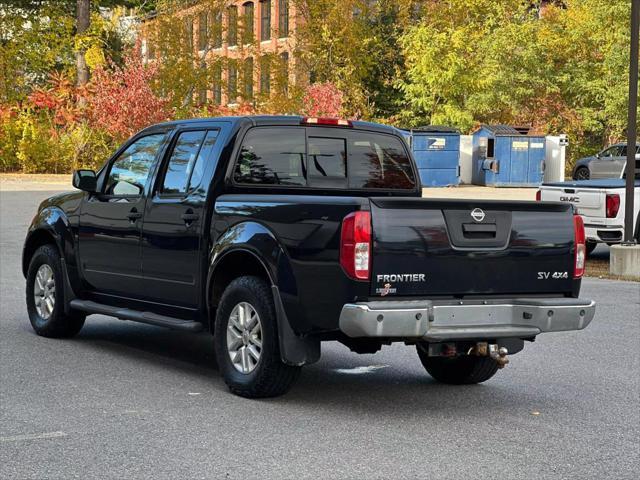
<point>497,353</point>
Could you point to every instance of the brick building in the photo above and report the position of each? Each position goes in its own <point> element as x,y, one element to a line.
<point>253,38</point>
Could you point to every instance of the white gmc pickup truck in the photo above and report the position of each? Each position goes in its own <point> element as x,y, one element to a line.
<point>601,203</point>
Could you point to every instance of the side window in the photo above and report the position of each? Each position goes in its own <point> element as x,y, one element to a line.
<point>623,151</point>
<point>378,161</point>
<point>272,156</point>
<point>129,172</point>
<point>610,152</point>
<point>186,164</point>
<point>205,154</point>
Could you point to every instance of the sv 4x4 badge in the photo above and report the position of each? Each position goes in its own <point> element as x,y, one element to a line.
<point>554,275</point>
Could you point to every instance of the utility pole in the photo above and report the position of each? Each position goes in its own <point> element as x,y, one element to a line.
<point>625,258</point>
<point>629,227</point>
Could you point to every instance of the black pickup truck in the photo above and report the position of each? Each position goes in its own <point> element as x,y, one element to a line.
<point>275,233</point>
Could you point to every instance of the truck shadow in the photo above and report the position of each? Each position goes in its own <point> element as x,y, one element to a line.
<point>340,383</point>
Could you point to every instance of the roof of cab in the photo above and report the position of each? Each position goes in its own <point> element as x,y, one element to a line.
<point>265,120</point>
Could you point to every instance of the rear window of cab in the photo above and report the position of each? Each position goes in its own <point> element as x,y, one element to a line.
<point>323,158</point>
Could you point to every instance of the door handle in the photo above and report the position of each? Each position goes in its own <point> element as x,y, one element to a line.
<point>189,217</point>
<point>134,215</point>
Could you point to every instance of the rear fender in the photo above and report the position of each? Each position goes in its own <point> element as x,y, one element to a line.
<point>257,240</point>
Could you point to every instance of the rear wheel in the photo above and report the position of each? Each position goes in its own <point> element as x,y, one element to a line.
<point>246,341</point>
<point>582,173</point>
<point>45,296</point>
<point>463,370</point>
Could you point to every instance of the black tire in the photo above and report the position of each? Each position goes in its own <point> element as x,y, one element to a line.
<point>57,324</point>
<point>582,173</point>
<point>270,376</point>
<point>463,370</point>
<point>591,246</point>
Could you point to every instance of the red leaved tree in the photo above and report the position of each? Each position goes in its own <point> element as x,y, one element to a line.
<point>121,99</point>
<point>58,101</point>
<point>322,100</point>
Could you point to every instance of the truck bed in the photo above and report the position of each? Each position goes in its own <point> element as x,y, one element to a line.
<point>606,183</point>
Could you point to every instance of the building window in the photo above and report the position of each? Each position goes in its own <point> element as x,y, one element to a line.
<point>203,31</point>
<point>188,27</point>
<point>202,96</point>
<point>247,21</point>
<point>232,81</point>
<point>232,26</point>
<point>284,80</point>
<point>283,18</point>
<point>217,85</point>
<point>248,78</point>
<point>217,30</point>
<point>151,47</point>
<point>265,20</point>
<point>265,75</point>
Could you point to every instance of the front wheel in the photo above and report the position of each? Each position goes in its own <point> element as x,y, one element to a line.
<point>463,370</point>
<point>246,341</point>
<point>45,296</point>
<point>591,246</point>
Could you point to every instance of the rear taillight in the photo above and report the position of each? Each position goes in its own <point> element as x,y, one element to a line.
<point>612,205</point>
<point>538,196</point>
<point>355,245</point>
<point>581,248</point>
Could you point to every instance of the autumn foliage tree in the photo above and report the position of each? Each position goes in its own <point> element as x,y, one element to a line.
<point>322,100</point>
<point>121,99</point>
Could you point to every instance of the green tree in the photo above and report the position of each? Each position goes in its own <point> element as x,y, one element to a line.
<point>33,42</point>
<point>354,45</point>
<point>560,69</point>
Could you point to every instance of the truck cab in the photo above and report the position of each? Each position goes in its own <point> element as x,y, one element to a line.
<point>276,233</point>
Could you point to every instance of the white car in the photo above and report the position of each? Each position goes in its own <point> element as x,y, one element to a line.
<point>601,203</point>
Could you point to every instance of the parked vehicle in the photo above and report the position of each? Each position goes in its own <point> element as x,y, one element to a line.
<point>601,203</point>
<point>278,233</point>
<point>609,163</point>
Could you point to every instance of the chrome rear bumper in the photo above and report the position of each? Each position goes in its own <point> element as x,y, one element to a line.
<point>469,319</point>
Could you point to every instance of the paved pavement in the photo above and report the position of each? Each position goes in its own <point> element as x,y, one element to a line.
<point>124,400</point>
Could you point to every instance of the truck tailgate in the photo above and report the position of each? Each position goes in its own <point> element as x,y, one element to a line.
<point>589,202</point>
<point>437,247</point>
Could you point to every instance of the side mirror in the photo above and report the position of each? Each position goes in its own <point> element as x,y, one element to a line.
<point>597,155</point>
<point>85,180</point>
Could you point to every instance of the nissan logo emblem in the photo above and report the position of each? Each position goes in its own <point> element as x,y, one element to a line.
<point>477,214</point>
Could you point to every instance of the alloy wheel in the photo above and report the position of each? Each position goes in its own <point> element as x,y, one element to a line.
<point>44,291</point>
<point>244,337</point>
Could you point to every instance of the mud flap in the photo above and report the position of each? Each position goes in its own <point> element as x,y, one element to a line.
<point>294,350</point>
<point>68,290</point>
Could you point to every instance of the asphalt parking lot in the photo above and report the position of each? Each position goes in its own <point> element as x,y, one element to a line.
<point>124,400</point>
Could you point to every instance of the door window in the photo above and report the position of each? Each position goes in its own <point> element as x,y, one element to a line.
<point>272,156</point>
<point>186,164</point>
<point>181,162</point>
<point>610,152</point>
<point>129,172</point>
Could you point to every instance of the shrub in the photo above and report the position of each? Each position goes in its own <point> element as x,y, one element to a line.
<point>121,99</point>
<point>10,133</point>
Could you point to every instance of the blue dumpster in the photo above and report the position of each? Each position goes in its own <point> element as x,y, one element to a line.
<point>437,153</point>
<point>504,156</point>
